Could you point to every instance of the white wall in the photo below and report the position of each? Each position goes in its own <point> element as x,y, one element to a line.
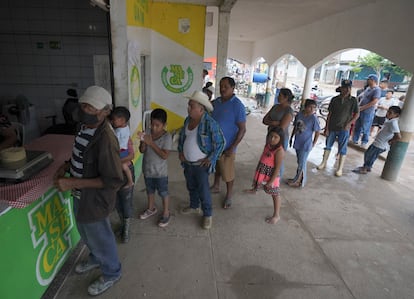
<point>40,73</point>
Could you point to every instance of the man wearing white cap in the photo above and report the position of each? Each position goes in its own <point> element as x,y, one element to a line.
<point>200,145</point>
<point>95,176</point>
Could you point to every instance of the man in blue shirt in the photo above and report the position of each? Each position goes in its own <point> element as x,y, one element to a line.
<point>230,113</point>
<point>369,99</point>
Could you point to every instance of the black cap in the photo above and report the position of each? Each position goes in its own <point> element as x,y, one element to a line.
<point>346,83</point>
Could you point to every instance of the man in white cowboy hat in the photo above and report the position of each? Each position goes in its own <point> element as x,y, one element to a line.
<point>95,176</point>
<point>200,145</point>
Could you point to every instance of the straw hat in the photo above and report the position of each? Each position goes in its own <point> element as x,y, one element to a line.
<point>201,98</point>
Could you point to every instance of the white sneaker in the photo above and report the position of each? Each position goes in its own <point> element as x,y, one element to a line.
<point>101,285</point>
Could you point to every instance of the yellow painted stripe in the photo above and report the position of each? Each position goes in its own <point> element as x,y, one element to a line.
<point>164,18</point>
<point>174,121</point>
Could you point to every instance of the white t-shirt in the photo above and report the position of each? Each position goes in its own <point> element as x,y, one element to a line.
<point>384,102</point>
<point>123,135</point>
<point>388,130</point>
<point>191,150</point>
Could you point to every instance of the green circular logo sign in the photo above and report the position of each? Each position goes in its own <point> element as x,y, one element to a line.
<point>174,76</point>
<point>135,86</point>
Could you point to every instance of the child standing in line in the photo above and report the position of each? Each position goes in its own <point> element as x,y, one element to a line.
<point>306,125</point>
<point>268,169</point>
<point>119,118</point>
<point>156,146</point>
<point>389,134</point>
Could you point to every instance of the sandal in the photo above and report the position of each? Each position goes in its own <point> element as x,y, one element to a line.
<point>214,189</point>
<point>360,170</point>
<point>227,203</point>
<point>295,184</point>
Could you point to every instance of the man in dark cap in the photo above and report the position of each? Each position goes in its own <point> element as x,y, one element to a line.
<point>343,111</point>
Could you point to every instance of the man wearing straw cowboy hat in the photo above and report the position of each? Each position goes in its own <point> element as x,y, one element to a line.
<point>200,145</point>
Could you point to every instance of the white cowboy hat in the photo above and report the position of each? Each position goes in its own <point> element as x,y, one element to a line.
<point>201,98</point>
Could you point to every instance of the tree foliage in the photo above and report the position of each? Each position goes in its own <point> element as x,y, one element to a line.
<point>379,64</point>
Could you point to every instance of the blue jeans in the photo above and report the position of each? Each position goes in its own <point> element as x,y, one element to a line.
<point>363,125</point>
<point>124,202</point>
<point>124,198</point>
<point>302,158</point>
<point>285,146</point>
<point>154,184</point>
<point>100,239</point>
<point>343,137</point>
<point>198,187</point>
<point>371,154</point>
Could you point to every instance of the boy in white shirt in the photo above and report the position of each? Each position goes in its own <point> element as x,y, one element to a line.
<point>389,133</point>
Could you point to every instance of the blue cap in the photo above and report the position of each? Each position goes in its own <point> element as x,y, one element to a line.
<point>373,77</point>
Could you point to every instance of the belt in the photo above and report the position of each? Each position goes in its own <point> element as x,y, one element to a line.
<point>197,163</point>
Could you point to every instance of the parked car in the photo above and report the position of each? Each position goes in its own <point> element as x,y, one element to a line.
<point>402,87</point>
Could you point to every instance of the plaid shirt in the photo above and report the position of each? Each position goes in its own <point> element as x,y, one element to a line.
<point>210,139</point>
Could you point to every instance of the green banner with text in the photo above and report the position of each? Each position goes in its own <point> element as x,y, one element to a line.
<point>34,244</point>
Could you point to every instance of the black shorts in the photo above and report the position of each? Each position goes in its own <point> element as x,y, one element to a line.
<point>378,121</point>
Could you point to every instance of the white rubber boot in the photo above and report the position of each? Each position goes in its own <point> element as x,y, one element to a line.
<point>324,160</point>
<point>340,165</point>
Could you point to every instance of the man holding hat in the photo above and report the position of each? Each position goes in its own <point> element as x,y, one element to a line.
<point>369,99</point>
<point>95,175</point>
<point>343,111</point>
<point>200,145</point>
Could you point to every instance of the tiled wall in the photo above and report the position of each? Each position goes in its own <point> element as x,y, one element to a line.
<point>46,47</point>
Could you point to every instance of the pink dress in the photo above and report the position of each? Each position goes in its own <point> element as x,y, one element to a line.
<point>265,169</point>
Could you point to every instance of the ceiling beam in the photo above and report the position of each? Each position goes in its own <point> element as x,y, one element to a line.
<point>227,5</point>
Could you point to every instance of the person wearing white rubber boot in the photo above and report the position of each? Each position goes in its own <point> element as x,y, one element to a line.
<point>343,111</point>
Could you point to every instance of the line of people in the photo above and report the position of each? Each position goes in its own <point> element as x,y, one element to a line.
<point>100,173</point>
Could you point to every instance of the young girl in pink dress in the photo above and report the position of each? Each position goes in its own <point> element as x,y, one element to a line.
<point>268,169</point>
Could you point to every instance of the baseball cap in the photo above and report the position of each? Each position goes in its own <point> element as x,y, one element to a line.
<point>346,83</point>
<point>97,97</point>
<point>373,77</point>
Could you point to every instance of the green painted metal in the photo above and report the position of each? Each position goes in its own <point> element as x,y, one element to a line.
<point>34,244</point>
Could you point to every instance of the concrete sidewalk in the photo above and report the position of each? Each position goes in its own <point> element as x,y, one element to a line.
<point>348,237</point>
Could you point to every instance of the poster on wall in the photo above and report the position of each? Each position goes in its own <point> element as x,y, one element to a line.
<point>173,35</point>
<point>134,90</point>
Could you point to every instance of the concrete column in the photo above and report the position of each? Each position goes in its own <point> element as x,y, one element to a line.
<point>250,87</point>
<point>119,52</point>
<point>310,73</point>
<point>268,95</point>
<point>323,73</point>
<point>285,74</point>
<point>222,45</point>
<point>398,150</point>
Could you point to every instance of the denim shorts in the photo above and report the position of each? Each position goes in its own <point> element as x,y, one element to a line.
<point>157,184</point>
